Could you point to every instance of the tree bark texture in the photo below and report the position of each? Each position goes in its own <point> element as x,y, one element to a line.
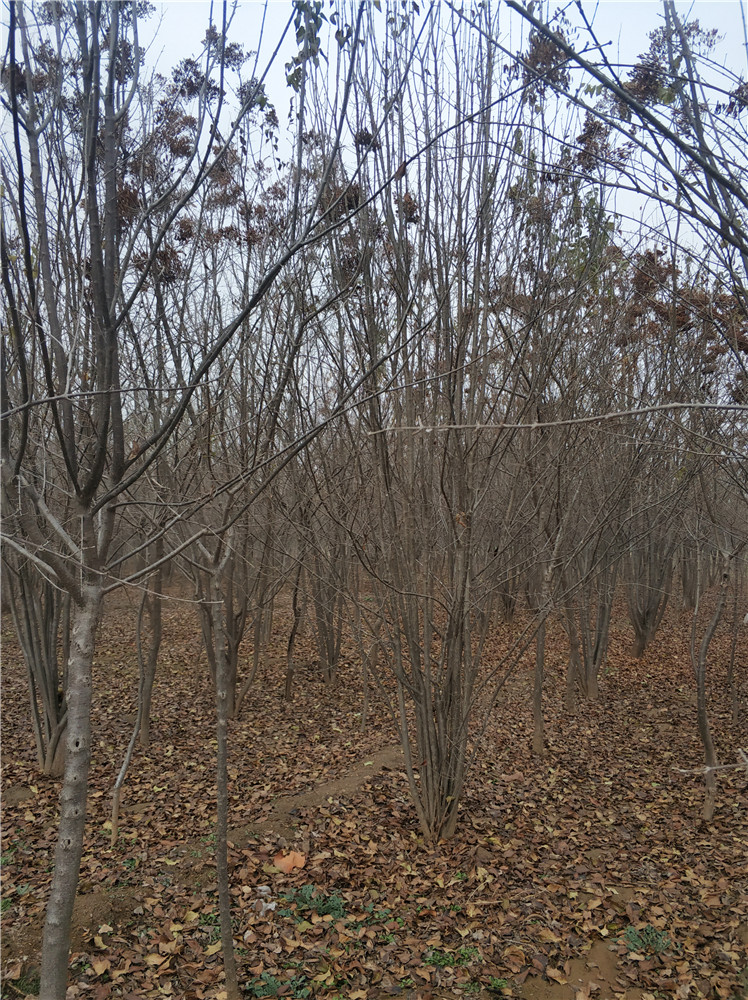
<point>56,938</point>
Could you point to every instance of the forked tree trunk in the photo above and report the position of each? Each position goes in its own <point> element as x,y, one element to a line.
<point>56,937</point>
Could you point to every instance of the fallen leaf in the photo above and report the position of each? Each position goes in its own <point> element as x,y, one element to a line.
<point>154,959</point>
<point>290,861</point>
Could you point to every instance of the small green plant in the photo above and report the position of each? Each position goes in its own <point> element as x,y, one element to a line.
<point>646,940</point>
<point>407,983</point>
<point>268,986</point>
<point>308,900</point>
<point>446,960</point>
<point>5,905</point>
<point>377,914</point>
<point>130,863</point>
<point>472,987</point>
<point>497,984</point>
<point>461,876</point>
<point>212,923</point>
<point>468,954</point>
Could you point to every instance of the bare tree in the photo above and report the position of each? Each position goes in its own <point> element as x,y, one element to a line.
<point>127,166</point>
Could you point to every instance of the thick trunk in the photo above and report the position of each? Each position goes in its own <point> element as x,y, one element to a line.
<point>56,939</point>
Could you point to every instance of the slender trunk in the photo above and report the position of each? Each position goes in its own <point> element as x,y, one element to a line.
<point>56,938</point>
<point>731,682</point>
<point>155,603</point>
<point>699,668</point>
<point>222,715</point>
<point>262,630</point>
<point>137,727</point>
<point>39,615</point>
<point>370,664</point>
<point>297,611</point>
<point>574,664</point>
<point>538,734</point>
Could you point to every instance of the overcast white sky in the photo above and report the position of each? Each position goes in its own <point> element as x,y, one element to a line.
<point>624,23</point>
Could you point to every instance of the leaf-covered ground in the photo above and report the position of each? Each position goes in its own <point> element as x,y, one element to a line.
<point>585,873</point>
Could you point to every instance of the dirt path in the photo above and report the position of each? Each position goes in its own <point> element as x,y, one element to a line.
<point>282,820</point>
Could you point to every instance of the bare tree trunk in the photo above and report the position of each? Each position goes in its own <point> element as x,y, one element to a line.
<point>297,617</point>
<point>538,733</point>
<point>154,605</point>
<point>649,578</point>
<point>699,667</point>
<point>223,697</point>
<point>731,682</point>
<point>56,937</point>
<point>574,665</point>
<point>40,613</point>
<point>137,728</point>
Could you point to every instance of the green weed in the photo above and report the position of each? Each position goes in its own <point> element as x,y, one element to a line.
<point>308,900</point>
<point>646,940</point>
<point>447,960</point>
<point>378,914</point>
<point>268,985</point>
<point>497,984</point>
<point>212,923</point>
